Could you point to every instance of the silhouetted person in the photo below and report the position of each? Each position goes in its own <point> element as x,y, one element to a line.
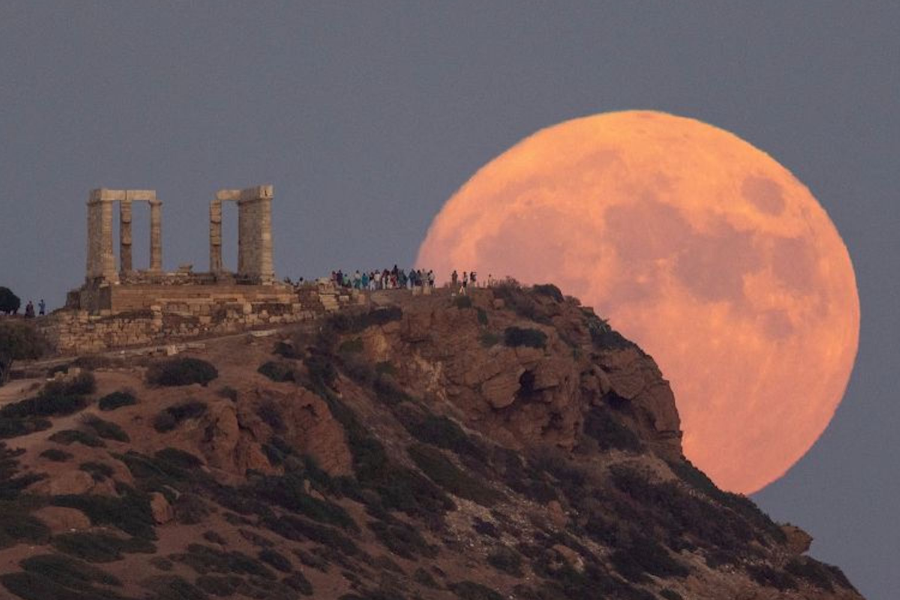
<point>29,310</point>
<point>42,308</point>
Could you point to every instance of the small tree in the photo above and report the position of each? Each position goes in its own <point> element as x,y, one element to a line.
<point>9,302</point>
<point>18,341</point>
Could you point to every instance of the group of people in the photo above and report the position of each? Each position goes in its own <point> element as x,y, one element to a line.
<point>29,309</point>
<point>386,279</point>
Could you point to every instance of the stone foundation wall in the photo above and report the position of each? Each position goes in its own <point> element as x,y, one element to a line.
<point>80,332</point>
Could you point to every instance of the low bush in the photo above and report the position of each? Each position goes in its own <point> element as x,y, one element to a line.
<point>10,428</point>
<point>100,547</point>
<point>670,594</point>
<point>276,560</point>
<point>482,317</point>
<point>131,512</point>
<point>351,346</point>
<point>172,587</point>
<point>298,582</point>
<point>643,555</point>
<point>97,470</point>
<point>769,577</point>
<point>507,560</point>
<point>269,412</point>
<point>489,339</point>
<point>56,455</point>
<point>117,400</point>
<point>402,539</point>
<point>531,338</point>
<point>206,559</point>
<point>469,590</point>
<point>181,371</point>
<point>277,371</point>
<point>443,472</point>
<point>298,529</point>
<point>43,406</point>
<point>610,433</point>
<point>67,571</point>
<point>172,417</point>
<point>74,436</point>
<point>549,290</point>
<point>105,429</point>
<point>17,526</point>
<point>31,586</point>
<point>442,432</point>
<point>355,322</point>
<point>80,385</point>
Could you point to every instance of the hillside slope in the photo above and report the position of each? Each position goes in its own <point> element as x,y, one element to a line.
<point>507,444</point>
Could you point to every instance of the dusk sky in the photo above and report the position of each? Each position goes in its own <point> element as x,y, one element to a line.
<point>366,117</point>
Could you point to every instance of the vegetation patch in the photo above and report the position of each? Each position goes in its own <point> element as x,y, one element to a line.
<point>100,547</point>
<point>74,436</point>
<point>278,371</point>
<point>130,512</point>
<point>97,470</point>
<point>206,559</point>
<point>105,429</point>
<point>489,339</point>
<point>549,290</point>
<point>351,346</point>
<point>297,529</point>
<point>443,472</point>
<point>507,560</point>
<point>345,322</point>
<point>769,577</point>
<point>228,392</point>
<point>43,406</point>
<point>173,587</point>
<point>117,400</point>
<point>56,455</point>
<point>609,432</point>
<point>515,337</point>
<point>172,417</point>
<point>442,432</point>
<point>469,590</point>
<point>181,371</point>
<point>462,302</point>
<point>298,582</point>
<point>402,539</point>
<point>276,560</point>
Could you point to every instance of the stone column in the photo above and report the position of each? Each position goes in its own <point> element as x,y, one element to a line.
<point>215,236</point>
<point>155,236</point>
<point>125,265</point>
<point>107,253</point>
<point>255,234</point>
<point>92,270</point>
<point>266,266</point>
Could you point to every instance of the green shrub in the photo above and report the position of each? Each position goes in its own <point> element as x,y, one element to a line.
<point>19,341</point>
<point>531,338</point>
<point>172,417</point>
<point>322,371</point>
<point>10,428</point>
<point>215,538</point>
<point>181,371</point>
<point>355,322</point>
<point>549,290</point>
<point>769,577</point>
<point>277,371</point>
<point>67,571</point>
<point>443,472</point>
<point>173,587</point>
<point>206,559</point>
<point>105,429</point>
<point>43,406</point>
<point>31,586</point>
<point>288,492</point>
<point>402,539</point>
<point>220,585</point>
<point>351,346</point>
<point>100,547</point>
<point>9,302</point>
<point>98,471</point>
<point>482,317</point>
<point>469,590</point>
<point>297,529</point>
<point>73,436</point>
<point>17,526</point>
<point>276,560</point>
<point>131,512</point>
<point>117,400</point>
<point>489,339</point>
<point>298,582</point>
<point>810,571</point>
<point>610,434</point>
<point>442,432</point>
<point>80,385</point>
<point>643,555</point>
<point>507,560</point>
<point>56,455</point>
<point>269,412</point>
<point>670,594</point>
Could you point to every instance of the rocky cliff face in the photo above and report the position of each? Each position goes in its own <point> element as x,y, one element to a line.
<point>507,444</point>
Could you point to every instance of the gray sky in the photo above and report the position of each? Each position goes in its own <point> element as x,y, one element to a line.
<point>367,116</point>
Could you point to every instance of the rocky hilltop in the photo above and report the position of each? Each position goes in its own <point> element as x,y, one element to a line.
<point>503,445</point>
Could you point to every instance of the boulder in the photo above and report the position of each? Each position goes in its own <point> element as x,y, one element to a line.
<point>60,518</point>
<point>161,509</point>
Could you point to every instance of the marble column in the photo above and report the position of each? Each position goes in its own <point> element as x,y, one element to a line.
<point>107,253</point>
<point>215,236</point>
<point>125,264</point>
<point>155,236</point>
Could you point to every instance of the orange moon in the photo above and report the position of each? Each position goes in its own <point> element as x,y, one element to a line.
<point>701,248</point>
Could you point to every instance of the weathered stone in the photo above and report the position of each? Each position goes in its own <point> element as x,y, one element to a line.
<point>160,508</point>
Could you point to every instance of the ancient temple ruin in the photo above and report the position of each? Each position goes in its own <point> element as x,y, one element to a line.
<point>117,287</point>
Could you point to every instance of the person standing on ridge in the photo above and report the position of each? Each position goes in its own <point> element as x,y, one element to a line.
<point>42,308</point>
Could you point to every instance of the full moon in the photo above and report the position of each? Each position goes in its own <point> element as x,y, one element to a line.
<point>701,248</point>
